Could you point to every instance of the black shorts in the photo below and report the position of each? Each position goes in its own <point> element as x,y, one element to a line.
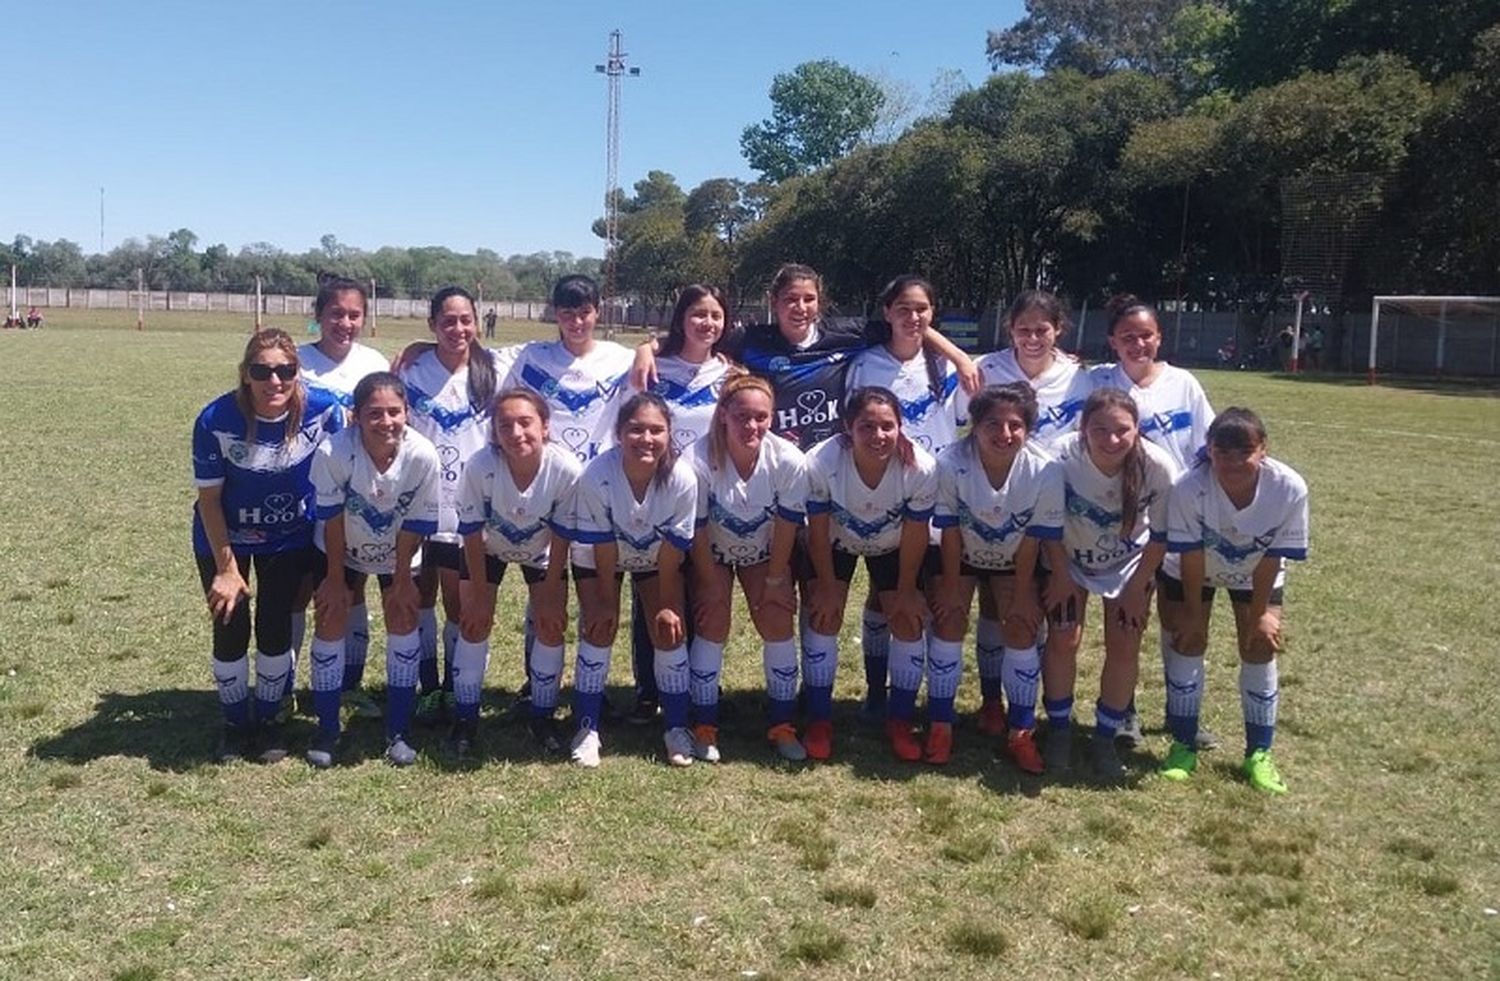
<point>494,571</point>
<point>353,578</point>
<point>443,555</point>
<point>884,570</point>
<point>983,575</point>
<point>1171,589</point>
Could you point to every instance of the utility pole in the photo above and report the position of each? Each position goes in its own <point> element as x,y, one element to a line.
<point>613,70</point>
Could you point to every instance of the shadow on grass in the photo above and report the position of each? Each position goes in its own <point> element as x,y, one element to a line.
<point>172,729</point>
<point>1486,388</point>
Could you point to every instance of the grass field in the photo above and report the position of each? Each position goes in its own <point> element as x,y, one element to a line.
<point>127,854</point>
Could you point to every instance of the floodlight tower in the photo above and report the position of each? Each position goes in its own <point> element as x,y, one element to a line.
<point>613,70</point>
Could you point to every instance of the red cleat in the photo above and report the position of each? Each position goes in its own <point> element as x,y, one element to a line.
<point>903,741</point>
<point>1023,752</point>
<point>817,739</point>
<point>939,743</point>
<point>992,716</point>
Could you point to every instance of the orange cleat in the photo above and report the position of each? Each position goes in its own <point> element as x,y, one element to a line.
<point>1023,752</point>
<point>939,743</point>
<point>992,716</point>
<point>818,739</point>
<point>783,736</point>
<point>903,741</point>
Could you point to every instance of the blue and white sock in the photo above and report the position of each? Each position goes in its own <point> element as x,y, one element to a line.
<point>232,679</point>
<point>1107,721</point>
<point>545,671</point>
<point>470,659</point>
<point>450,651</point>
<point>1184,678</point>
<point>356,646</point>
<point>1059,712</point>
<point>1021,669</point>
<point>705,662</point>
<point>1260,693</point>
<point>589,677</point>
<point>875,641</point>
<point>673,679</point>
<point>403,657</point>
<point>989,654</point>
<point>299,633</point>
<point>945,667</point>
<point>427,636</point>
<point>272,676</point>
<point>820,664</point>
<point>327,659</point>
<point>908,664</point>
<point>780,660</point>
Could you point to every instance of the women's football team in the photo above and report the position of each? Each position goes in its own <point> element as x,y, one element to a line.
<point>775,456</point>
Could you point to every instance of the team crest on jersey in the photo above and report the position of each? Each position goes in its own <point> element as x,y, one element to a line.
<point>779,363</point>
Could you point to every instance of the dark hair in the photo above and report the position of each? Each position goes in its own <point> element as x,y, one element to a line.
<point>482,379</point>
<point>543,410</point>
<point>1237,428</point>
<point>676,332</point>
<point>937,371</point>
<point>1123,305</point>
<point>264,340</point>
<point>573,291</point>
<point>627,411</point>
<point>331,287</point>
<point>1049,305</point>
<point>792,272</point>
<point>374,382</point>
<point>1016,394</point>
<point>1133,474</point>
<point>862,398</point>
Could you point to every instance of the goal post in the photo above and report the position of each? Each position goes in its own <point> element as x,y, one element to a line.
<point>1472,321</point>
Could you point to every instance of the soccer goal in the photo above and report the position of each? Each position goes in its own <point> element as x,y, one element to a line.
<point>1425,335</point>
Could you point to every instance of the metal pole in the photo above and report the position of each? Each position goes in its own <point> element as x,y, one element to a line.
<point>1374,333</point>
<point>12,291</point>
<point>258,303</point>
<point>1297,334</point>
<point>371,318</point>
<point>140,299</point>
<point>1442,333</point>
<point>1083,318</point>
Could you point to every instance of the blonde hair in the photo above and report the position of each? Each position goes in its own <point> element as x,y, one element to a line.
<point>265,340</point>
<point>735,382</point>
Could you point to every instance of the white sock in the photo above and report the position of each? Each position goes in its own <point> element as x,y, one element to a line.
<point>470,659</point>
<point>989,650</point>
<point>1020,673</point>
<point>944,667</point>
<point>908,661</point>
<point>820,658</point>
<point>875,634</point>
<point>327,664</point>
<point>427,632</point>
<point>671,670</point>
<point>450,640</point>
<point>780,659</point>
<point>593,668</point>
<point>357,637</point>
<point>546,674</point>
<point>271,675</point>
<point>1260,691</point>
<point>1184,676</point>
<point>233,680</point>
<point>402,652</point>
<point>705,661</point>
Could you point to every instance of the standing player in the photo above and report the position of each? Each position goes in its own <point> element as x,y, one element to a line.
<point>1000,502</point>
<point>636,507</point>
<point>871,494</point>
<point>752,497</point>
<point>515,503</point>
<point>1233,521</point>
<point>377,496</point>
<point>1115,488</point>
<point>252,453</point>
<point>336,362</point>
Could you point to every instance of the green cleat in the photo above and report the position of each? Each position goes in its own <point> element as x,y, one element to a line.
<point>432,706</point>
<point>1261,771</point>
<point>358,703</point>
<point>1180,763</point>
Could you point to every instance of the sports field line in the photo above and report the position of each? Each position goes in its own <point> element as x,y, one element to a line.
<point>1390,432</point>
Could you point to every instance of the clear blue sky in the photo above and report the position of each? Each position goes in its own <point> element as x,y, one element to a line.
<point>409,123</point>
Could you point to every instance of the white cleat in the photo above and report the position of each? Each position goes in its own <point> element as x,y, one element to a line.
<point>585,748</point>
<point>679,746</point>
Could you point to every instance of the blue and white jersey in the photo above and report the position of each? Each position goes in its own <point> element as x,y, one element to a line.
<point>992,520</point>
<point>266,488</point>
<point>1100,558</point>
<point>1234,540</point>
<point>930,414</point>
<point>1061,391</point>
<point>738,513</point>
<point>691,392</point>
<point>518,523</point>
<point>377,506</point>
<point>608,511</point>
<point>867,520</point>
<point>340,377</point>
<point>1175,413</point>
<point>578,390</point>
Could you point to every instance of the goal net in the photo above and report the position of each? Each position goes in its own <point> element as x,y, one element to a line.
<point>1434,335</point>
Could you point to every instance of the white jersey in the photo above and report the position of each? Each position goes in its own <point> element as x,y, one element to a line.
<point>440,410</point>
<point>738,514</point>
<point>1099,558</point>
<point>1233,540</point>
<point>867,521</point>
<point>1061,391</point>
<point>340,377</point>
<point>1174,411</point>
<point>376,506</point>
<point>993,520</point>
<point>518,524</point>
<point>930,415</point>
<point>608,511</point>
<point>578,390</point>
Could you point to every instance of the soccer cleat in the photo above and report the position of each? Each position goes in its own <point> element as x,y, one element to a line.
<point>432,707</point>
<point>544,733</point>
<point>463,736</point>
<point>706,743</point>
<point>1261,771</point>
<point>1129,734</point>
<point>818,739</point>
<point>358,703</point>
<point>1106,759</point>
<point>679,744</point>
<point>324,747</point>
<point>903,741</point>
<point>234,744</point>
<point>398,752</point>
<point>272,744</point>
<point>992,716</point>
<point>1020,745</point>
<point>1057,751</point>
<point>783,736</point>
<point>939,749</point>
<point>585,748</point>
<point>1180,763</point>
<point>1207,739</point>
<point>643,712</point>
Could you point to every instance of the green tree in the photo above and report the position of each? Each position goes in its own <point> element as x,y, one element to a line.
<point>820,110</point>
<point>1088,36</point>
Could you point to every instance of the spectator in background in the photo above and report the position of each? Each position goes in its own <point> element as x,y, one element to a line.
<point>34,318</point>
<point>1313,344</point>
<point>489,322</point>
